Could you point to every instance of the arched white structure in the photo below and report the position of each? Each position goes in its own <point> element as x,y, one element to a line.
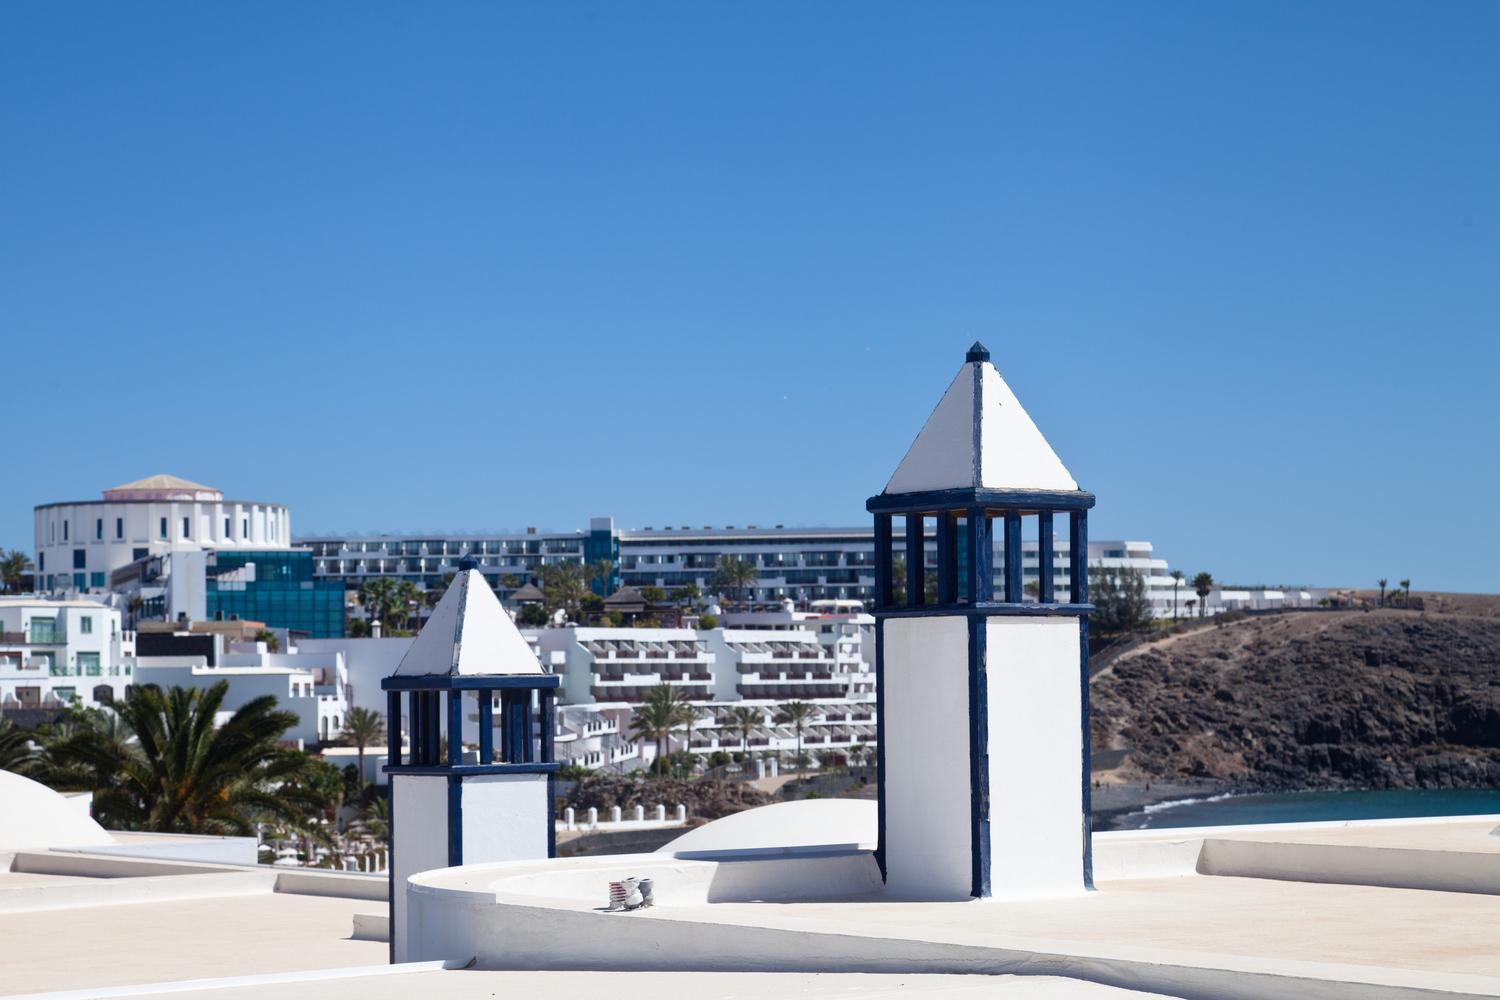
<point>79,543</point>
<point>33,815</point>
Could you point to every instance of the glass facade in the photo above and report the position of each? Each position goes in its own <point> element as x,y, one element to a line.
<point>279,591</point>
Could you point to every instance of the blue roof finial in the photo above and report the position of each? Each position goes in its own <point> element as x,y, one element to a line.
<point>977,353</point>
<point>467,563</point>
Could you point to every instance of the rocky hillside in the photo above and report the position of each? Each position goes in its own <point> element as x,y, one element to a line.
<point>1378,699</point>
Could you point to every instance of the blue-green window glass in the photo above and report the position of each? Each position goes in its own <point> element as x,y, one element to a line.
<point>80,558</point>
<point>86,625</point>
<point>65,694</point>
<point>99,528</point>
<point>283,594</point>
<point>164,527</point>
<point>88,664</point>
<point>78,579</point>
<point>44,630</point>
<point>96,581</point>
<point>119,527</point>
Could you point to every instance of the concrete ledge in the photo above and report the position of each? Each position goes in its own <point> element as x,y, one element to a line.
<point>320,882</point>
<point>1341,864</point>
<point>120,891</point>
<point>372,927</point>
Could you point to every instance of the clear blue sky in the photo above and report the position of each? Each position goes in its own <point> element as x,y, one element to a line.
<point>470,266</point>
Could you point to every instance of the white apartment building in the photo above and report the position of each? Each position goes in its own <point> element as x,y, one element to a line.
<point>313,685</point>
<point>615,668</point>
<point>80,543</point>
<point>55,653</point>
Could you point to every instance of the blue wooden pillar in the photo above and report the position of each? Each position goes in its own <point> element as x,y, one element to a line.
<point>980,549</point>
<point>455,727</point>
<point>1013,556</point>
<point>549,733</point>
<point>486,726</point>
<point>882,561</point>
<point>1045,556</point>
<point>916,559</point>
<point>392,729</point>
<point>1078,557</point>
<point>947,558</point>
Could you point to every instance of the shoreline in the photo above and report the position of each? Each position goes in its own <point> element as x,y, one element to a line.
<point>1111,803</point>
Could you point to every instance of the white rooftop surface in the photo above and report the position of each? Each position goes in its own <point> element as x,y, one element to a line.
<point>1371,909</point>
<point>469,634</point>
<point>979,436</point>
<point>209,937</point>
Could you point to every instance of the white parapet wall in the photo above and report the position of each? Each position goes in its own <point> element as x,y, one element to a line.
<point>516,915</point>
<point>1035,756</point>
<point>419,838</point>
<point>925,735</point>
<point>505,817</point>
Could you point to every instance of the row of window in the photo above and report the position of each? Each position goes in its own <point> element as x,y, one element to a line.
<point>187,529</point>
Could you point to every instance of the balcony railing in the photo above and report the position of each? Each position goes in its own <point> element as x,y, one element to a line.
<point>38,637</point>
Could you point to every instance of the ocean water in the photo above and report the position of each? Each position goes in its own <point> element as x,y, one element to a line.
<point>1311,807</point>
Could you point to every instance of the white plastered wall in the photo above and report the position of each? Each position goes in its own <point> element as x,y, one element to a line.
<point>419,809</point>
<point>925,730</point>
<point>1036,756</point>
<point>505,818</point>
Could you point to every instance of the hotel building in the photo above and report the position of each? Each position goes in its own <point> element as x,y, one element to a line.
<point>802,564</point>
<point>79,543</point>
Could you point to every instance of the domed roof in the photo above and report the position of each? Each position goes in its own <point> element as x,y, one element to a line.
<point>803,823</point>
<point>33,815</point>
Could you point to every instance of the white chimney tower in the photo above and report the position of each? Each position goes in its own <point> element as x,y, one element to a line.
<point>1002,676</point>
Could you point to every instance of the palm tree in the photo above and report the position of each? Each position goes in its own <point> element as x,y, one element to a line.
<point>1203,585</point>
<point>744,720</point>
<point>271,639</point>
<point>16,751</point>
<point>376,817</point>
<point>14,565</point>
<point>563,585</point>
<point>1382,581</point>
<point>655,718</point>
<point>690,714</point>
<point>364,727</point>
<point>510,581</point>
<point>184,775</point>
<point>408,598</point>
<point>1176,582</point>
<point>380,601</point>
<point>601,570</point>
<point>796,714</point>
<point>1406,593</point>
<point>431,597</point>
<point>735,575</point>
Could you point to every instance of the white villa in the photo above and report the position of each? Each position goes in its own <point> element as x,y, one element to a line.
<point>62,652</point>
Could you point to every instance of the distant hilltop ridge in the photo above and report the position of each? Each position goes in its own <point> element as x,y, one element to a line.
<point>1304,700</point>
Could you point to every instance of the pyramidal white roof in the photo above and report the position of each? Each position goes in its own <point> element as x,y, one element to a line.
<point>468,634</point>
<point>979,437</point>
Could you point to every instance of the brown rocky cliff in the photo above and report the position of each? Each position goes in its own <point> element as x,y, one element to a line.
<point>1380,699</point>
